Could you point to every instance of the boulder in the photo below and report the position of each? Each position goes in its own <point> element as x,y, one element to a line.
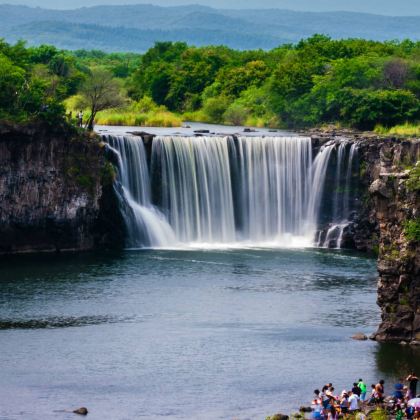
<point>359,337</point>
<point>83,411</point>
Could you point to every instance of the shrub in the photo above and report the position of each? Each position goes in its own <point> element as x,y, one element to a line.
<point>236,114</point>
<point>413,182</point>
<point>214,108</point>
<point>412,230</point>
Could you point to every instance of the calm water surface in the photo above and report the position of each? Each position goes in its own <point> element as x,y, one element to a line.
<point>237,334</point>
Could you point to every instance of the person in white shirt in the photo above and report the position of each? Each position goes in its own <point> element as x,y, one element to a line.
<point>353,402</point>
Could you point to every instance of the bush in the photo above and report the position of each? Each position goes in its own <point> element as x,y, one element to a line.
<point>214,108</point>
<point>413,182</point>
<point>412,230</point>
<point>236,114</point>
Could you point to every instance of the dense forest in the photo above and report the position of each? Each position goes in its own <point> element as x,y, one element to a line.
<point>353,82</point>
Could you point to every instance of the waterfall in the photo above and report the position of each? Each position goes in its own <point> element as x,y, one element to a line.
<point>346,204</point>
<point>274,187</point>
<point>341,201</point>
<point>221,191</point>
<point>146,225</point>
<point>196,191</point>
<point>319,170</point>
<point>336,203</point>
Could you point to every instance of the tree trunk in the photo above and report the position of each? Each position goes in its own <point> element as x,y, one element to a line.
<point>91,120</point>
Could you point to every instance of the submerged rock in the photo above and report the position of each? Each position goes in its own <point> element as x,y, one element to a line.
<point>83,411</point>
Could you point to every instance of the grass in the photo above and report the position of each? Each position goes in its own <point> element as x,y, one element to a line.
<point>250,121</point>
<point>144,113</point>
<point>406,130</point>
<point>132,118</point>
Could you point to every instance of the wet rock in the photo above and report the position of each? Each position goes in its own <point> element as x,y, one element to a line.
<point>83,411</point>
<point>202,131</point>
<point>304,409</point>
<point>279,417</point>
<point>359,337</point>
<point>147,137</point>
<point>249,130</point>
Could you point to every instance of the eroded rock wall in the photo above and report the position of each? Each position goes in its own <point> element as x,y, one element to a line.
<point>56,191</point>
<point>386,220</point>
<point>396,196</point>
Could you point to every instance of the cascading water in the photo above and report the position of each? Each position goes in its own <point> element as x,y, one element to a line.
<point>229,191</point>
<point>341,200</point>
<point>146,226</point>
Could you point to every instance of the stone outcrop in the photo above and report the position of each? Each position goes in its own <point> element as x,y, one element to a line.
<point>56,191</point>
<point>387,221</point>
<point>396,195</point>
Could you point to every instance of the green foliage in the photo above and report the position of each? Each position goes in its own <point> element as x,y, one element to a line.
<point>378,414</point>
<point>108,174</point>
<point>404,130</point>
<point>413,182</point>
<point>215,108</point>
<point>100,91</point>
<point>319,81</point>
<point>412,230</point>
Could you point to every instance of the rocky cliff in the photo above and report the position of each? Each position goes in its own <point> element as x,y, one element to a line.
<point>56,191</point>
<point>386,220</point>
<point>396,197</point>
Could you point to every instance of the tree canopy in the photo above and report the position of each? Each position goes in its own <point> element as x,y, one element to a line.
<point>354,82</point>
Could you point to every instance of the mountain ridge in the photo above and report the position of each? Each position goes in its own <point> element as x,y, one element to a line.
<point>241,29</point>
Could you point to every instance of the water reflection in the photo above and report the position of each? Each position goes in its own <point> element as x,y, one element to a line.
<point>395,360</point>
<point>60,322</point>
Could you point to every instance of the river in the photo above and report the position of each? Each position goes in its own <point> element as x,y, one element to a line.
<point>185,334</point>
<point>219,310</point>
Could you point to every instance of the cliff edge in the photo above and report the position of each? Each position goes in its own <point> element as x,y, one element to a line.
<point>56,191</point>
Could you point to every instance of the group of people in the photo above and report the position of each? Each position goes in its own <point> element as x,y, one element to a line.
<point>327,405</point>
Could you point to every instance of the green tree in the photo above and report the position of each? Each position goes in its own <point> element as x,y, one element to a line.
<point>99,92</point>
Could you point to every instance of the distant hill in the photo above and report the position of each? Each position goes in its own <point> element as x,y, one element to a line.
<point>382,7</point>
<point>136,28</point>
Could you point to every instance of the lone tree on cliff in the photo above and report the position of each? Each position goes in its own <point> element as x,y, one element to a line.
<point>100,91</point>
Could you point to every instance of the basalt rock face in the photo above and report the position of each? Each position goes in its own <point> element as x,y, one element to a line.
<point>396,196</point>
<point>386,219</point>
<point>56,191</point>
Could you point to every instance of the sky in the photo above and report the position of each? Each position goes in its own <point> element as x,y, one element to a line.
<point>387,7</point>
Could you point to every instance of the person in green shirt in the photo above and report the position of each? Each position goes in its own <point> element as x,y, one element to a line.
<point>363,388</point>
